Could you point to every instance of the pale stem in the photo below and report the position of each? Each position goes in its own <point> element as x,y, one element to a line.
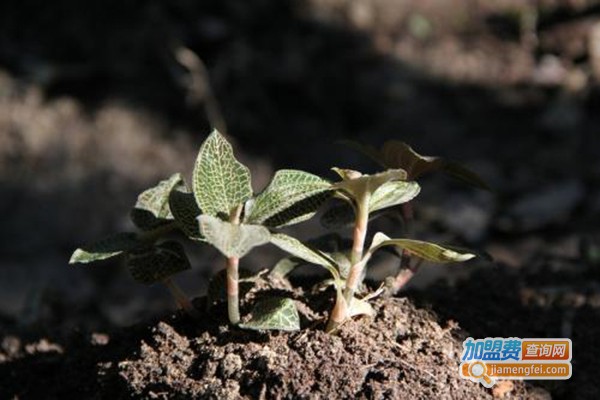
<point>360,232</point>
<point>233,297</point>
<point>338,314</point>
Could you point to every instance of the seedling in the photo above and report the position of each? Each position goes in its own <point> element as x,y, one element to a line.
<point>397,154</point>
<point>223,211</point>
<point>235,221</point>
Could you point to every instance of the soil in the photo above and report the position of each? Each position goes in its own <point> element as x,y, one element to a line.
<point>94,108</point>
<point>402,353</point>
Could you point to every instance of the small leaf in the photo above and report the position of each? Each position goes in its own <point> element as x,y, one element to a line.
<point>217,286</point>
<point>284,267</point>
<point>288,189</point>
<point>296,248</point>
<point>220,182</point>
<point>393,193</point>
<point>425,250</point>
<point>232,240</point>
<point>357,186</point>
<point>185,211</point>
<point>361,307</point>
<point>299,212</point>
<point>397,154</point>
<point>274,313</point>
<point>152,207</point>
<point>109,247</point>
<point>153,264</point>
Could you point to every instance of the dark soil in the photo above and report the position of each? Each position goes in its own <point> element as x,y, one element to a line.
<point>403,353</point>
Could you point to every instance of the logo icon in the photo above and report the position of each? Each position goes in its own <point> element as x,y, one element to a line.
<point>486,360</point>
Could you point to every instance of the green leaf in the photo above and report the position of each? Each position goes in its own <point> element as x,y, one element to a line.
<point>153,264</point>
<point>356,185</point>
<point>217,286</point>
<point>393,193</point>
<point>338,216</point>
<point>284,267</point>
<point>286,197</point>
<point>185,211</point>
<point>274,313</point>
<point>361,307</point>
<point>109,247</point>
<point>152,207</point>
<point>220,182</point>
<point>232,240</point>
<point>425,250</point>
<point>297,249</point>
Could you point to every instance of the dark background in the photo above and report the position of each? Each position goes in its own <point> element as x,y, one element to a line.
<point>94,107</point>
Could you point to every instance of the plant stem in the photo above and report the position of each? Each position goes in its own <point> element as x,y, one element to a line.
<point>405,272</point>
<point>360,232</point>
<point>180,298</point>
<point>344,301</point>
<point>233,296</point>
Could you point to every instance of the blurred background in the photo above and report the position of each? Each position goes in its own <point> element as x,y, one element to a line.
<point>97,103</point>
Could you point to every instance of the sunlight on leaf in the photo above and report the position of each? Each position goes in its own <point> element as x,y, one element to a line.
<point>152,207</point>
<point>284,267</point>
<point>356,185</point>
<point>392,194</point>
<point>425,250</point>
<point>109,247</point>
<point>274,313</point>
<point>153,264</point>
<point>220,182</point>
<point>232,240</point>
<point>288,189</point>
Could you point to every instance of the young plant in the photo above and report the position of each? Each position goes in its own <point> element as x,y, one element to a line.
<point>149,257</point>
<point>235,221</point>
<point>397,154</point>
<point>223,211</point>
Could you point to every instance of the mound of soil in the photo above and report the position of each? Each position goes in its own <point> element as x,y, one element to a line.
<point>402,353</point>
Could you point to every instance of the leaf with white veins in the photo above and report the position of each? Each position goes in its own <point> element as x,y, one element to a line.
<point>274,313</point>
<point>287,191</point>
<point>220,182</point>
<point>109,247</point>
<point>156,263</point>
<point>152,209</point>
<point>393,193</point>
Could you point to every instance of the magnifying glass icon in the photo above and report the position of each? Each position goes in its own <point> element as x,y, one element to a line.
<point>478,370</point>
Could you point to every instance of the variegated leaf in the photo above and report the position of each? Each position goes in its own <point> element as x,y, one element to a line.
<point>220,182</point>
<point>425,250</point>
<point>232,240</point>
<point>152,207</point>
<point>297,249</point>
<point>109,247</point>
<point>185,212</point>
<point>393,193</point>
<point>156,263</point>
<point>274,313</point>
<point>288,189</point>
